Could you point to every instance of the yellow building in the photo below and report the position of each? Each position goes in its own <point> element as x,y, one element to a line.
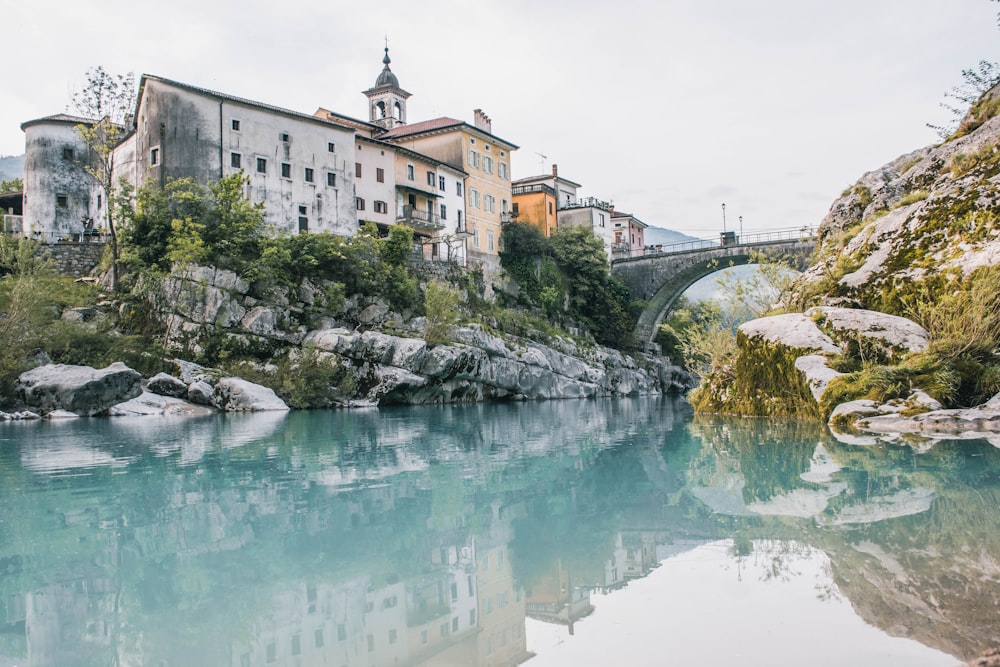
<point>484,157</point>
<point>537,199</point>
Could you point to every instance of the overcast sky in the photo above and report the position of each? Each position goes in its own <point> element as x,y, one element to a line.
<point>667,108</point>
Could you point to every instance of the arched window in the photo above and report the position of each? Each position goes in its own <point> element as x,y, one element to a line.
<point>379,110</point>
<point>397,111</point>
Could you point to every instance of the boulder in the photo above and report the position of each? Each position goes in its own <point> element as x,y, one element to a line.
<point>80,389</point>
<point>238,395</point>
<point>200,392</point>
<point>149,403</point>
<point>165,384</point>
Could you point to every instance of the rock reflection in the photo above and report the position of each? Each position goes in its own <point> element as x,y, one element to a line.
<point>426,536</point>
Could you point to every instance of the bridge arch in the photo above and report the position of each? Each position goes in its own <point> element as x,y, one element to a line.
<point>660,279</point>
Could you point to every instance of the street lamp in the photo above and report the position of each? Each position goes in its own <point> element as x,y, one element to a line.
<point>741,226</point>
<point>723,217</point>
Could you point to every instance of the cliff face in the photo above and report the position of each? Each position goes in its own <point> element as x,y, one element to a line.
<point>917,239</point>
<point>921,222</point>
<point>381,354</point>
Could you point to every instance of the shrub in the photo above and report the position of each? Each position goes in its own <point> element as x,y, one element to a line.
<point>441,313</point>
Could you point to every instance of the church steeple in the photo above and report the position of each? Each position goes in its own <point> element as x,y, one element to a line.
<point>386,100</point>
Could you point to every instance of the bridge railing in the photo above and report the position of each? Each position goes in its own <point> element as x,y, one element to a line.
<point>725,239</point>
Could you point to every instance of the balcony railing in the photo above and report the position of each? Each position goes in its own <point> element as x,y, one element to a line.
<point>537,187</point>
<point>586,202</point>
<point>411,216</point>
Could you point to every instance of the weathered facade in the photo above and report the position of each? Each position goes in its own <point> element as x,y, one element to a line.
<point>61,200</point>
<point>300,166</point>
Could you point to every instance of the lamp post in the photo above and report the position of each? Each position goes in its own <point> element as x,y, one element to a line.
<point>741,226</point>
<point>723,217</point>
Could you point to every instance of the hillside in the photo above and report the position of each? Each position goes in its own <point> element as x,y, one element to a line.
<point>11,167</point>
<point>898,314</point>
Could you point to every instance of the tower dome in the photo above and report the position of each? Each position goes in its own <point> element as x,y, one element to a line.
<point>386,100</point>
<point>386,78</point>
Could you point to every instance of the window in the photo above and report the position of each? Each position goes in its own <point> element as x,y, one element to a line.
<point>431,178</point>
<point>99,200</point>
<point>454,624</point>
<point>154,156</point>
<point>409,172</point>
<point>285,138</point>
<point>381,207</point>
<point>502,600</point>
<point>454,590</point>
<point>600,217</point>
<point>473,158</point>
<point>296,644</point>
<point>357,170</point>
<point>486,147</point>
<point>236,125</point>
<point>309,175</point>
<point>331,179</point>
<point>371,643</point>
<point>474,198</point>
<point>331,147</point>
<point>458,188</point>
<point>235,160</point>
<point>475,237</point>
<point>392,636</point>
<point>489,239</point>
<point>502,170</point>
<point>441,183</point>
<point>500,563</point>
<point>67,153</point>
<point>380,174</point>
<point>359,203</point>
<point>303,219</point>
<point>472,140</point>
<point>261,165</point>
<point>514,212</point>
<point>341,632</point>
<point>286,170</point>
<point>487,164</point>
<point>318,637</point>
<point>504,205</point>
<point>444,212</point>
<point>550,208</point>
<point>490,204</point>
<point>444,629</point>
<point>62,201</point>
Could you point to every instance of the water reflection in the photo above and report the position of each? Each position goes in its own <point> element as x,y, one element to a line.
<point>429,536</point>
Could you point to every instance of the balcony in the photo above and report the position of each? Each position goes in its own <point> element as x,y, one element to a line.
<point>586,202</point>
<point>537,187</point>
<point>418,220</point>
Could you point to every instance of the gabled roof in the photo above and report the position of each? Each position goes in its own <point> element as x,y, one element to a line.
<point>402,150</point>
<point>632,218</point>
<point>355,123</point>
<point>238,100</point>
<point>545,177</point>
<point>442,124</point>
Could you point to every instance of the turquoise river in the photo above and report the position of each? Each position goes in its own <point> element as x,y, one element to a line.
<point>603,532</point>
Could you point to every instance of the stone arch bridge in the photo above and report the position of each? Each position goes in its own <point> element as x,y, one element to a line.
<point>661,277</point>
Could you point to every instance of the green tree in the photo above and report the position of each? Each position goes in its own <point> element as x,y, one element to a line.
<point>441,312</point>
<point>106,101</point>
<point>13,185</point>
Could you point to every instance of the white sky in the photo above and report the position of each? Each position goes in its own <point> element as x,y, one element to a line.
<point>667,108</point>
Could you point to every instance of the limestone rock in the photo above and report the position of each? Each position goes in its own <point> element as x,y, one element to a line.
<point>200,392</point>
<point>793,330</point>
<point>149,403</point>
<point>897,333</point>
<point>165,384</point>
<point>80,389</point>
<point>238,395</point>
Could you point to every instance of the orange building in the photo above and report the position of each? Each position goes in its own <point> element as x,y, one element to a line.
<point>537,199</point>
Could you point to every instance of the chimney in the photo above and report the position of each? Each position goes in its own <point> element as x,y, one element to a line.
<point>555,170</point>
<point>482,121</point>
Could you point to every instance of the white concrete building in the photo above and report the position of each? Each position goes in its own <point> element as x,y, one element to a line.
<point>300,166</point>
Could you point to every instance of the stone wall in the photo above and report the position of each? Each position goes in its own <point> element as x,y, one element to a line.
<point>74,258</point>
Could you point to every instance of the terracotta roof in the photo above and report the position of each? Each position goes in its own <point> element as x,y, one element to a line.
<point>421,127</point>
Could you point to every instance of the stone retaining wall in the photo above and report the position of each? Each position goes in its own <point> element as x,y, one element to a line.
<point>74,258</point>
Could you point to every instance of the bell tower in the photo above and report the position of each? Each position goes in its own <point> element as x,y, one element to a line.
<point>386,100</point>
